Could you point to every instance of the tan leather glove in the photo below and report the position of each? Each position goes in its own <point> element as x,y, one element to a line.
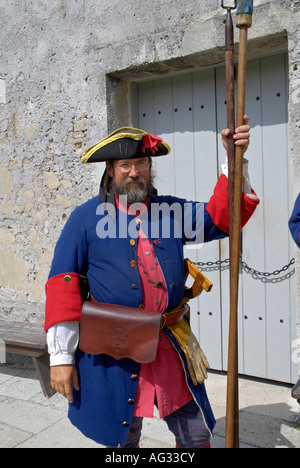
<point>196,360</point>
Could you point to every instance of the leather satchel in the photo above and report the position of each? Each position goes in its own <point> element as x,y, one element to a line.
<point>119,331</point>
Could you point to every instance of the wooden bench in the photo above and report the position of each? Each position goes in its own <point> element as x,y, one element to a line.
<point>27,339</point>
<point>296,391</point>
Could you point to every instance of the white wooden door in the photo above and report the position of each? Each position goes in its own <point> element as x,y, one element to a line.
<point>189,111</point>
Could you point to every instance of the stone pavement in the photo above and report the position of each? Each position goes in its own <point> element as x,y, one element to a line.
<point>269,416</point>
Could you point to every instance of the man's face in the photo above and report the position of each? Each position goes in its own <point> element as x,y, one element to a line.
<point>131,177</point>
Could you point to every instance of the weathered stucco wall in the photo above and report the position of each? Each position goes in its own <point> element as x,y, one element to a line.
<point>65,74</point>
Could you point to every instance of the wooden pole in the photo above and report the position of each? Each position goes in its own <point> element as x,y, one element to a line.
<point>232,409</point>
<point>229,58</point>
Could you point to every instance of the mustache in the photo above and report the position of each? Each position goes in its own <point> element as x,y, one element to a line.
<point>138,179</point>
<point>134,195</point>
<point>122,189</point>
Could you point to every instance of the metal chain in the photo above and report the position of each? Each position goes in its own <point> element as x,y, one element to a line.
<point>264,276</point>
<point>265,273</point>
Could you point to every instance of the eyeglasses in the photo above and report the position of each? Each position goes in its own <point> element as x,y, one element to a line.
<point>125,168</point>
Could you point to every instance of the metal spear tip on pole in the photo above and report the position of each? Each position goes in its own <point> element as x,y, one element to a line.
<point>229,26</point>
<point>230,4</point>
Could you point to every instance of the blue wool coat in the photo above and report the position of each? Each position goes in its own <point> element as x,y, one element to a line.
<point>294,222</point>
<point>96,241</point>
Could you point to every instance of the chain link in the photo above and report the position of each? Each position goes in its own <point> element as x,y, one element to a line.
<point>263,276</point>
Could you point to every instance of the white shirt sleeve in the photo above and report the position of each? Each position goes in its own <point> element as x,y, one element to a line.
<point>246,178</point>
<point>62,340</point>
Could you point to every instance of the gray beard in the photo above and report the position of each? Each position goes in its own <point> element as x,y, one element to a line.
<point>134,195</point>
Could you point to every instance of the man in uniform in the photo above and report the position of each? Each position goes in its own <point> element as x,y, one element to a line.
<point>143,268</point>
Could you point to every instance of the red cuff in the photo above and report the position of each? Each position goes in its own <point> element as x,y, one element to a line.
<point>218,207</point>
<point>63,299</point>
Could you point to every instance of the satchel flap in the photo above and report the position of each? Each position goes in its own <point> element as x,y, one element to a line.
<point>120,332</point>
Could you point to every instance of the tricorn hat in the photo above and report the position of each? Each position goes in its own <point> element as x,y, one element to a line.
<point>126,143</point>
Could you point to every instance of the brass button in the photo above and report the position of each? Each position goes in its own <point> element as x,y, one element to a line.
<point>67,278</point>
<point>130,400</point>
<point>133,377</point>
<point>133,286</point>
<point>132,242</point>
<point>125,423</point>
<point>132,263</point>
